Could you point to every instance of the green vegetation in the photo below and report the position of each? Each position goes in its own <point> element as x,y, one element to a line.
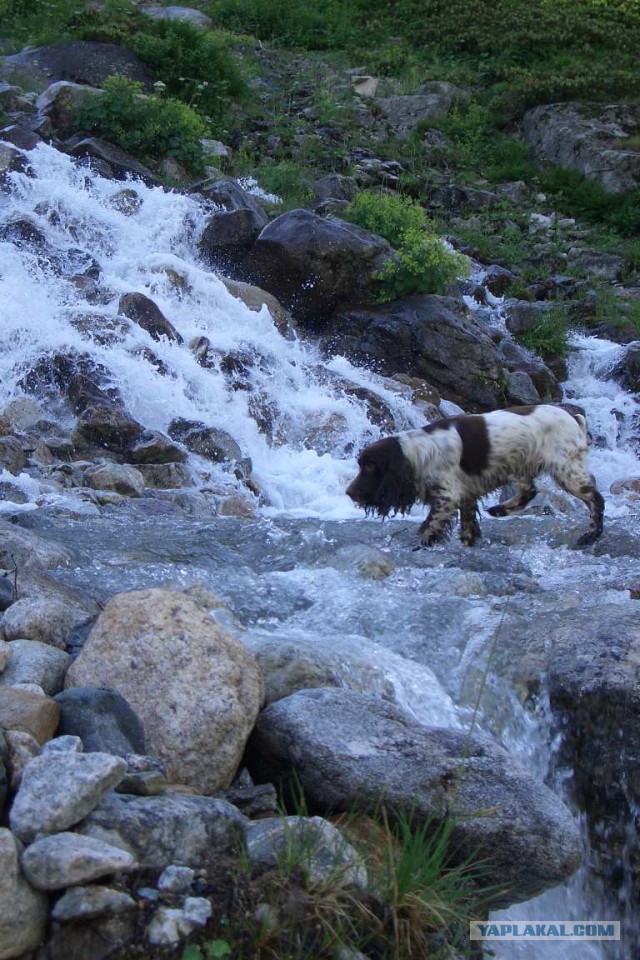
<point>549,337</point>
<point>573,193</point>
<point>146,127</point>
<point>412,901</point>
<point>302,119</point>
<point>423,263</point>
<point>522,52</point>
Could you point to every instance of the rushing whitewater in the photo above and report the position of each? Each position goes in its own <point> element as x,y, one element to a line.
<point>289,573</point>
<point>135,253</point>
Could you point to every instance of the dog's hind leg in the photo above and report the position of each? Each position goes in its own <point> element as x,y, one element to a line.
<point>469,526</point>
<point>582,485</point>
<point>436,527</point>
<point>526,493</point>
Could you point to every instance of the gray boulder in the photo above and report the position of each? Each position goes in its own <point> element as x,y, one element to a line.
<point>438,339</point>
<point>80,61</point>
<point>312,264</point>
<point>32,661</point>
<point>60,103</point>
<point>402,114</point>
<point>172,829</point>
<point>59,789</point>
<point>23,910</point>
<point>66,859</point>
<point>196,18</point>
<point>588,137</point>
<point>349,751</point>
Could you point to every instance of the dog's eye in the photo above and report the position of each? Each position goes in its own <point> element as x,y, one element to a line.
<point>368,467</point>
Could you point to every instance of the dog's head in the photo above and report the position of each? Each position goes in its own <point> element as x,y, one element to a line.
<point>386,481</point>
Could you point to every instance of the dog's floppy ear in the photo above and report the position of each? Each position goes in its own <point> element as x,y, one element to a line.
<point>397,490</point>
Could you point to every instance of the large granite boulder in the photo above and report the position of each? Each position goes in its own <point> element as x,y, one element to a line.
<point>196,689</point>
<point>349,751</point>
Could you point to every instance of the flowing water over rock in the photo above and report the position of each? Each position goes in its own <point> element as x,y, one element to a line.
<point>307,568</point>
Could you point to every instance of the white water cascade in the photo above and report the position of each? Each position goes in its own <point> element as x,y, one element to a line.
<point>318,428</point>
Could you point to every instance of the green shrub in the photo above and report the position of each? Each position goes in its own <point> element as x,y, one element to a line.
<point>148,127</point>
<point>549,337</point>
<point>422,262</point>
<point>386,214</point>
<point>195,65</point>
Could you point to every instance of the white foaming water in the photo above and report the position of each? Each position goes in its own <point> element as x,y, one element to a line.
<point>144,252</point>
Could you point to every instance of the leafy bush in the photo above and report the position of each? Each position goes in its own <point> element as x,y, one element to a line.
<point>195,65</point>
<point>148,127</point>
<point>386,214</point>
<point>422,263</point>
<point>549,337</point>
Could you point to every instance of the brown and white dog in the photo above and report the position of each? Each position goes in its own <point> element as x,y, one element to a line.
<point>452,463</point>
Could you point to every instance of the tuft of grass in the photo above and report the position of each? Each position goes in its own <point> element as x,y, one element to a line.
<point>573,192</point>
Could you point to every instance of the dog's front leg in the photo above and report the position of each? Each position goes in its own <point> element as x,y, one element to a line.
<point>436,526</point>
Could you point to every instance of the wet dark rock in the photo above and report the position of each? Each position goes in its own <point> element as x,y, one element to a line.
<point>229,235</point>
<point>627,370</point>
<point>232,230</point>
<point>210,442</point>
<point>23,232</point>
<point>432,337</point>
<point>106,426</point>
<point>498,279</point>
<point>143,311</point>
<point>80,61</point>
<point>102,718</point>
<point>348,751</point>
<point>20,135</point>
<point>154,447</point>
<point>77,377</point>
<point>519,361</point>
<point>94,150</point>
<point>312,265</point>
